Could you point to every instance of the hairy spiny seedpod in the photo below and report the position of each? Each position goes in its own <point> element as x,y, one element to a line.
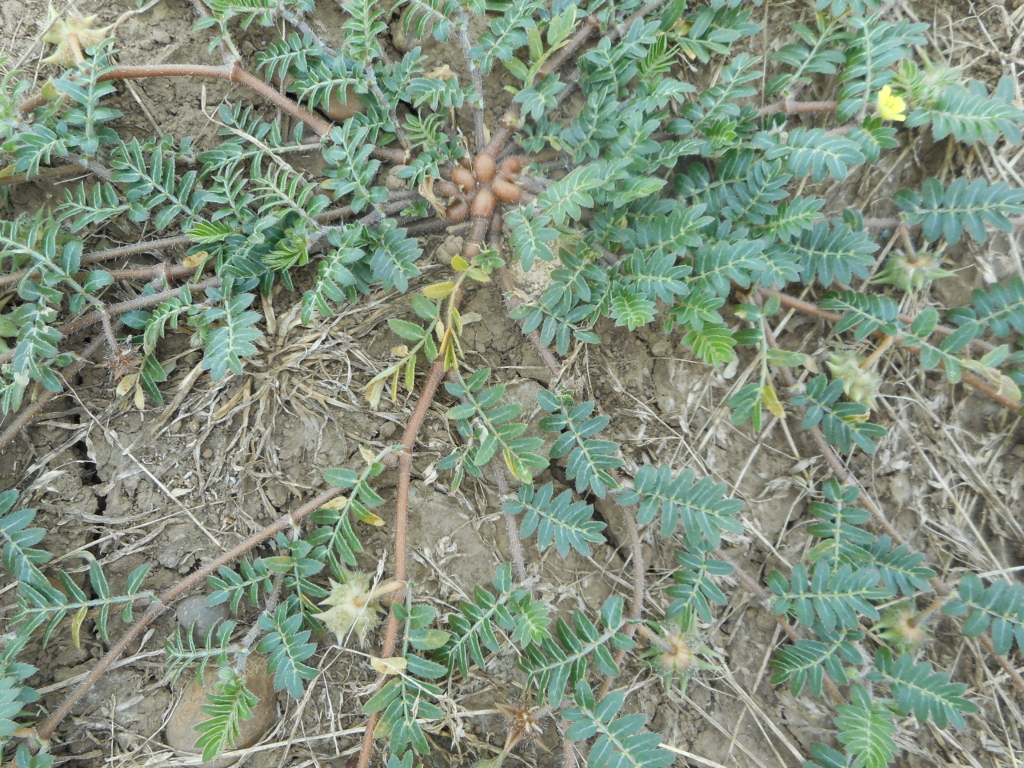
<point>484,166</point>
<point>354,608</point>
<point>458,212</point>
<point>122,360</point>
<point>506,191</point>
<point>859,385</point>
<point>483,204</point>
<point>464,179</point>
<point>903,628</point>
<point>510,165</point>
<point>678,657</point>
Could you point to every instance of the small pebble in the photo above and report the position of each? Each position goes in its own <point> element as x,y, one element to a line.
<point>393,181</point>
<point>188,713</point>
<point>208,453</point>
<point>193,612</point>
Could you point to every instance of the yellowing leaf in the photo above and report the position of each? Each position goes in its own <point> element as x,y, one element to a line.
<point>438,290</point>
<point>400,351</point>
<point>410,374</point>
<point>393,666</point>
<point>337,503</point>
<point>516,467</point>
<point>364,515</point>
<point>443,72</point>
<point>76,626</point>
<point>471,317</point>
<point>771,401</point>
<point>196,259</point>
<point>126,384</point>
<point>373,392</point>
<point>367,454</point>
<point>1008,388</point>
<point>459,264</point>
<point>140,398</point>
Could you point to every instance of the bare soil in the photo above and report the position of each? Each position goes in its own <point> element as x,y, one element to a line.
<point>174,485</point>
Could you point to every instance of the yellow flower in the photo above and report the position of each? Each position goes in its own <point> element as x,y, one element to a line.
<point>890,106</point>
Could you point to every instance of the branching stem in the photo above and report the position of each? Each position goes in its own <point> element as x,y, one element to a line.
<point>164,600</point>
<point>233,73</point>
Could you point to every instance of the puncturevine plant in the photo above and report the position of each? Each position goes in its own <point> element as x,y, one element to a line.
<point>656,201</point>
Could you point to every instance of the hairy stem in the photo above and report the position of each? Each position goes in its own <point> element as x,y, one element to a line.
<point>412,429</point>
<point>164,599</point>
<point>233,73</point>
<point>968,378</point>
<point>29,412</point>
<point>790,107</point>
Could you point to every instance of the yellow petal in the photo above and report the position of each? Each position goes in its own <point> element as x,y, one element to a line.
<point>890,106</point>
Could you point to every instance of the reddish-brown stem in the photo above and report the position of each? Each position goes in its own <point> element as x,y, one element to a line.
<point>232,73</point>
<point>875,223</point>
<point>29,412</point>
<point>164,599</point>
<point>830,455</point>
<point>130,305</point>
<point>790,107</point>
<point>848,478</point>
<point>412,429</point>
<point>112,253</point>
<point>163,271</point>
<point>655,639</point>
<point>1004,663</point>
<point>44,174</point>
<point>883,345</point>
<point>636,603</point>
<point>511,302</point>
<point>510,120</point>
<point>765,598</point>
<point>613,35</point>
<point>967,377</point>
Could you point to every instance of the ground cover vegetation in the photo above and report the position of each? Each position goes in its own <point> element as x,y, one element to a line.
<point>652,201</point>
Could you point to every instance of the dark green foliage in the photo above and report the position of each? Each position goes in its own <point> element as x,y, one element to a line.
<point>620,741</point>
<point>589,458</point>
<point>962,205</point>
<point>473,628</point>
<point>694,588</point>
<point>919,691</point>
<point>559,520</point>
<point>179,653</point>
<point>405,698</point>
<point>866,731</point>
<point>841,423</point>
<point>699,506</point>
<point>20,558</point>
<point>230,702</point>
<point>997,609</point>
<point>487,427</point>
<point>834,597</point>
<point>667,200</point>
<point>560,661</point>
<point>288,647</point>
<point>971,115</point>
<point>806,662</point>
